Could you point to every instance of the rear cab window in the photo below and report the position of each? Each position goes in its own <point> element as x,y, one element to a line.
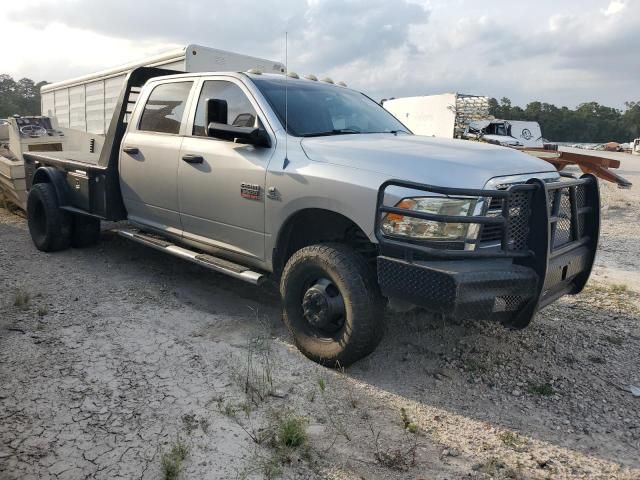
<point>164,111</point>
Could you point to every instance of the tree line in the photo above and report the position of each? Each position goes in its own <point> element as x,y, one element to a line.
<point>588,123</point>
<point>19,96</point>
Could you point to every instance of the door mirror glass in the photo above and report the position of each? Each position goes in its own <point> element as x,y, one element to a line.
<point>217,111</point>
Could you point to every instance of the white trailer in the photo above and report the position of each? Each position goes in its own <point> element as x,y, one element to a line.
<point>446,115</point>
<point>86,103</point>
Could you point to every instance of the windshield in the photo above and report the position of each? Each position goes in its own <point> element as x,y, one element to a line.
<point>316,109</point>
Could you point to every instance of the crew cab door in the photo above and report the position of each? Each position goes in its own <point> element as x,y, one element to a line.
<point>221,182</point>
<point>150,154</point>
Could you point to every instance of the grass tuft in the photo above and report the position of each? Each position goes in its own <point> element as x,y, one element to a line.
<point>399,459</point>
<point>614,340</point>
<point>322,384</point>
<point>512,440</point>
<point>543,389</point>
<point>21,299</point>
<point>292,432</point>
<point>618,288</point>
<point>490,467</point>
<point>408,424</point>
<point>172,461</point>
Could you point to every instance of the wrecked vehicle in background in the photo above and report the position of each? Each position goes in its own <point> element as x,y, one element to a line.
<point>508,133</point>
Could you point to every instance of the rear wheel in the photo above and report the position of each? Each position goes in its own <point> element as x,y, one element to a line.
<point>49,226</point>
<point>85,231</point>
<point>332,304</point>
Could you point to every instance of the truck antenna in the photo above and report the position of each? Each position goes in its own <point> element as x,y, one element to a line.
<point>286,101</point>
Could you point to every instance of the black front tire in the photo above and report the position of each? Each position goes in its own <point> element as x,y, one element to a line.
<point>85,231</point>
<point>49,226</point>
<point>362,325</point>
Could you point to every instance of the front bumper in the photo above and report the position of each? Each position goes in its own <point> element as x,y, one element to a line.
<point>460,288</point>
<point>549,239</point>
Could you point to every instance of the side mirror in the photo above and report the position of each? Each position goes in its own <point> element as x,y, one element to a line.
<point>251,135</point>
<point>216,111</point>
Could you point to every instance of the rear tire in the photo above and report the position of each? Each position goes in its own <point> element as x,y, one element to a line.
<point>85,231</point>
<point>49,226</point>
<point>332,278</point>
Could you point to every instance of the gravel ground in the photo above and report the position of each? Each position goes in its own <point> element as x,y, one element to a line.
<point>110,357</point>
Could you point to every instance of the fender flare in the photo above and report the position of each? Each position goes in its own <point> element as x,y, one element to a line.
<point>57,179</point>
<point>281,238</point>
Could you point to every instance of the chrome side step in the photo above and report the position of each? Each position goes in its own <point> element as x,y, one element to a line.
<point>216,264</point>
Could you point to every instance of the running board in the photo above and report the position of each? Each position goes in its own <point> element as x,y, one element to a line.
<point>216,264</point>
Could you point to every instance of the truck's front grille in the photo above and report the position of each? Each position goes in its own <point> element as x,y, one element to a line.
<point>492,233</point>
<point>518,220</point>
<point>563,232</point>
<point>563,226</point>
<point>518,224</point>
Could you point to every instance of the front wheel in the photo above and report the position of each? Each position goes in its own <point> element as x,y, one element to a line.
<point>332,304</point>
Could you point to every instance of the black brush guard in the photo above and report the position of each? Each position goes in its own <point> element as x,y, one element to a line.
<point>549,236</point>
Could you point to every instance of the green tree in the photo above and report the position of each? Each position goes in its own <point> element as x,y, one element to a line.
<point>589,122</point>
<point>8,96</point>
<point>631,119</point>
<point>20,97</point>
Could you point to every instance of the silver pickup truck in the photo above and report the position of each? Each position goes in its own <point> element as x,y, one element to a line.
<point>318,187</point>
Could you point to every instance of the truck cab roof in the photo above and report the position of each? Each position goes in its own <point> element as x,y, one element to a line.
<point>272,77</point>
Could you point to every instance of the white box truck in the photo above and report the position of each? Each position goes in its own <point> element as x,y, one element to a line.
<point>446,115</point>
<point>86,103</point>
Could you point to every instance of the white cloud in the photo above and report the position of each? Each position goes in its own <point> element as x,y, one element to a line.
<point>616,6</point>
<point>560,52</point>
<point>54,51</point>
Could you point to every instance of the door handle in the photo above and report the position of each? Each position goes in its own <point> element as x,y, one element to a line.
<point>191,158</point>
<point>131,150</point>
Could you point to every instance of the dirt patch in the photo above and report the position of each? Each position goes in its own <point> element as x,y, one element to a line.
<point>617,259</point>
<point>120,362</point>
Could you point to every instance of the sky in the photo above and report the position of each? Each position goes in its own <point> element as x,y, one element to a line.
<point>564,52</point>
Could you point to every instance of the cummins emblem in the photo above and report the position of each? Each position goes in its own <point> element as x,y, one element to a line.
<point>250,191</point>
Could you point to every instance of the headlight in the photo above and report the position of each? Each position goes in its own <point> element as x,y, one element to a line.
<point>428,230</point>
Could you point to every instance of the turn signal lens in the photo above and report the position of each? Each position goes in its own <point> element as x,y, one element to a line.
<point>407,203</point>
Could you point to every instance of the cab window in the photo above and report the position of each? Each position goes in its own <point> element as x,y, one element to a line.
<point>164,110</point>
<point>240,111</point>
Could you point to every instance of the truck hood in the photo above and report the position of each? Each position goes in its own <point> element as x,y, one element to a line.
<point>437,161</point>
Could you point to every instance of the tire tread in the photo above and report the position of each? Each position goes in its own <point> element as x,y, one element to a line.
<point>58,222</point>
<point>367,300</point>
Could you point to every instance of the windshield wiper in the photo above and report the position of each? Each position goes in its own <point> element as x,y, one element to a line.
<point>395,132</point>
<point>340,131</point>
